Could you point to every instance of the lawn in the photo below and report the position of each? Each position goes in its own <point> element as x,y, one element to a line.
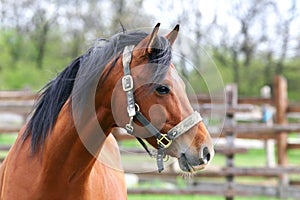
<point>190,197</point>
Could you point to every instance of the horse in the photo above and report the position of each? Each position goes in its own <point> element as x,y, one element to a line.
<point>125,81</point>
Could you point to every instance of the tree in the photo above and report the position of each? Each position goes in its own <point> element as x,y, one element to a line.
<point>13,26</point>
<point>284,25</point>
<point>40,33</point>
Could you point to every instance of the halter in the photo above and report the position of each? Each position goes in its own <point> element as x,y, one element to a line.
<point>163,140</point>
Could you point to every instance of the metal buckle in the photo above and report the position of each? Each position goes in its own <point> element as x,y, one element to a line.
<point>165,138</point>
<point>127,83</point>
<point>131,110</point>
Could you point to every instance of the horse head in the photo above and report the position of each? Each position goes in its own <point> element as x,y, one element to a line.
<point>154,104</point>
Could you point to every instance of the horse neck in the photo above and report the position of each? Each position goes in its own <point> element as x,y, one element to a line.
<point>73,150</point>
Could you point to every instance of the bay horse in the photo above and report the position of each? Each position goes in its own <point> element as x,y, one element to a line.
<point>125,81</point>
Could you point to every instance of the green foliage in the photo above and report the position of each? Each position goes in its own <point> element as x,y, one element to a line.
<point>291,72</point>
<point>18,68</point>
<point>20,77</point>
<point>255,76</point>
<point>23,73</point>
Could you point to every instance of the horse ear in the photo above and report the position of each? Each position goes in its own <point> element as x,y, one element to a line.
<point>173,34</point>
<point>152,39</point>
<point>146,45</point>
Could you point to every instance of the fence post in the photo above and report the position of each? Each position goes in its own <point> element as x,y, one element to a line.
<point>231,101</point>
<point>281,104</point>
<point>267,118</point>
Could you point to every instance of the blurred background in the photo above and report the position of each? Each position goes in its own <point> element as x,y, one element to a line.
<point>255,46</point>
<point>249,41</point>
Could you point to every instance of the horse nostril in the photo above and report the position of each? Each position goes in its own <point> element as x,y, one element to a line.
<point>205,155</point>
<point>208,157</point>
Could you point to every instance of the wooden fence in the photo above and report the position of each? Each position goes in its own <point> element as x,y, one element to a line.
<point>21,103</point>
<point>284,188</point>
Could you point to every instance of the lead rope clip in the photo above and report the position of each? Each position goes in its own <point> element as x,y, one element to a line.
<point>129,127</point>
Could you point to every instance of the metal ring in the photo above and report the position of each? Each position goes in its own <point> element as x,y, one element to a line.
<point>166,158</point>
<point>137,107</point>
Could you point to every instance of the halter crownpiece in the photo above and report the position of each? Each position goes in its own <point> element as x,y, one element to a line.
<point>163,140</point>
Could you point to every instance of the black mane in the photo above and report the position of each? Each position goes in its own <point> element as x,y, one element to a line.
<point>55,94</point>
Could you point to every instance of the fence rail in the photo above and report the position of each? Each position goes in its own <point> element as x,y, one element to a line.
<point>224,171</point>
<point>222,190</point>
<point>21,103</point>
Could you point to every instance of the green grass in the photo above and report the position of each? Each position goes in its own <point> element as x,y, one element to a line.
<point>190,197</point>
<point>7,139</point>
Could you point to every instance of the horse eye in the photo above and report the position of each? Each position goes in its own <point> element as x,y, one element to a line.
<point>162,89</point>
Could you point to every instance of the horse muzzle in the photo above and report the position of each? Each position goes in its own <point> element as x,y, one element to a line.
<point>194,163</point>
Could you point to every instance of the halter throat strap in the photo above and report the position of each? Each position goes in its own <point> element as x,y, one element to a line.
<point>163,140</point>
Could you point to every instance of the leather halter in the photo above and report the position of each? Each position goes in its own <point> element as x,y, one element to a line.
<point>163,140</point>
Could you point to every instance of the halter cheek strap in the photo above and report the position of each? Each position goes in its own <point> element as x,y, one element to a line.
<point>163,140</point>
<point>127,80</point>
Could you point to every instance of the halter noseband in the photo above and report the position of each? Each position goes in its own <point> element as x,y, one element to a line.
<point>163,140</point>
